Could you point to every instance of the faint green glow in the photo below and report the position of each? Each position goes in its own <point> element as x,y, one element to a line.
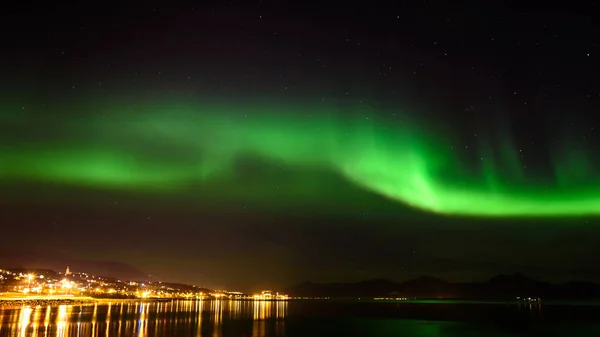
<point>416,328</point>
<point>156,148</point>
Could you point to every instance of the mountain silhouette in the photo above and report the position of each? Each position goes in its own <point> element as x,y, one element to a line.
<point>13,260</point>
<point>498,287</point>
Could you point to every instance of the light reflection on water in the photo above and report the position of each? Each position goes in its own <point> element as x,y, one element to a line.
<point>300,319</point>
<point>177,318</point>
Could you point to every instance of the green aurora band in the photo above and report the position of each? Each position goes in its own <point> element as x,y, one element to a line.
<point>158,148</point>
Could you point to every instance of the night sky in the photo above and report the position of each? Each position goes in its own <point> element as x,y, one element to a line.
<point>262,144</point>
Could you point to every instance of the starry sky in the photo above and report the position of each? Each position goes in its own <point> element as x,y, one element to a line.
<point>253,145</point>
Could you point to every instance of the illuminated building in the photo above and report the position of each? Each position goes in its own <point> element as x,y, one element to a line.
<point>267,295</point>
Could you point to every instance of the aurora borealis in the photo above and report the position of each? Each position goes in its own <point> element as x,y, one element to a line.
<point>177,147</point>
<point>260,145</point>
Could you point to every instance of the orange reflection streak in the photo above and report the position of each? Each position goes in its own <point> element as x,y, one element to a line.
<point>218,311</point>
<point>269,309</point>
<point>156,318</point>
<point>264,310</point>
<point>94,318</point>
<point>142,326</point>
<point>259,324</point>
<point>37,314</point>
<point>199,305</point>
<point>108,319</point>
<point>47,320</point>
<point>120,319</point>
<point>24,319</point>
<point>62,328</point>
<point>282,312</point>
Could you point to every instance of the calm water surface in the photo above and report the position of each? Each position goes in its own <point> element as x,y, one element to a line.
<point>301,318</point>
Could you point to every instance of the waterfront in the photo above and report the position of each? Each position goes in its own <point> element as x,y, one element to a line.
<point>230,318</point>
<point>81,288</point>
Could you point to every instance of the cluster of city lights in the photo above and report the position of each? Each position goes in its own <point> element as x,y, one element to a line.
<point>391,298</point>
<point>18,284</point>
<point>29,283</point>
<point>268,295</point>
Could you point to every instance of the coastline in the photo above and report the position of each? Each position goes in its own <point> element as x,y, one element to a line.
<point>11,303</point>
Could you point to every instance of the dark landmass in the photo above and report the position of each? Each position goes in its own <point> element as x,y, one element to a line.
<point>19,260</point>
<point>501,287</point>
<point>187,287</point>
